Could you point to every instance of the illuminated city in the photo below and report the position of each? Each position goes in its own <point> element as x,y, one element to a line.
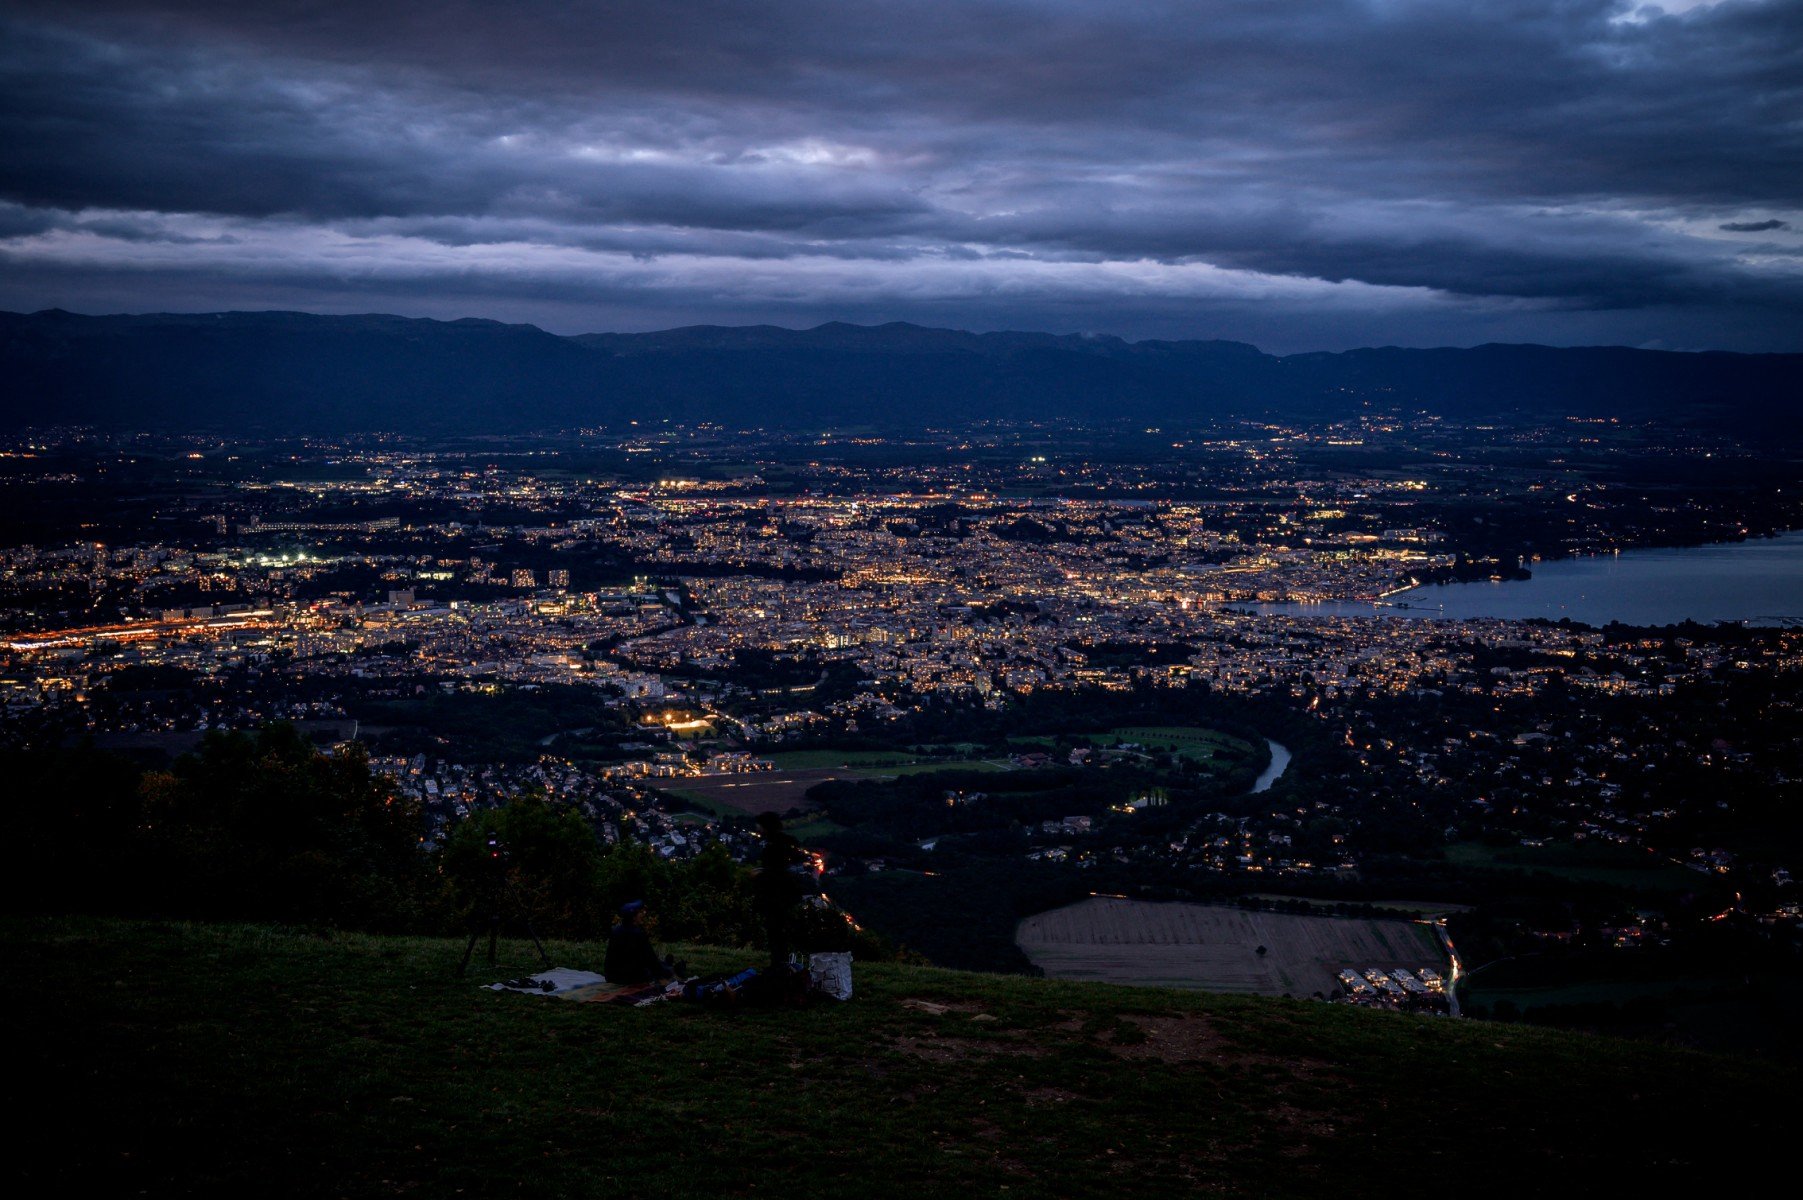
<point>696,608</point>
<point>888,600</point>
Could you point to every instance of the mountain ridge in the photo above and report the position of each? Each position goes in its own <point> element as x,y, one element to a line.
<point>288,372</point>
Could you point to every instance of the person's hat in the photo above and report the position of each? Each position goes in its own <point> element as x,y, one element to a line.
<point>632,907</point>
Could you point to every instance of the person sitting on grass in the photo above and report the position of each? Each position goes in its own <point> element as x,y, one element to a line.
<point>779,886</point>
<point>630,958</point>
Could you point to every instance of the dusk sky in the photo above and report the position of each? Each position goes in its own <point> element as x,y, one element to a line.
<point>1301,176</point>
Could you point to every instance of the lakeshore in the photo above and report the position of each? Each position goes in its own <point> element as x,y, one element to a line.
<point>1758,582</point>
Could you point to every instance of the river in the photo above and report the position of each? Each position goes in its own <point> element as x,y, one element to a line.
<point>1280,762</point>
<point>1759,581</point>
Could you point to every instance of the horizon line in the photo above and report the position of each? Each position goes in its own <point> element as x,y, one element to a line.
<point>1079,335</point>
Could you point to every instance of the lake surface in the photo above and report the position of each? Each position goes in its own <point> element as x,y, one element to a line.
<point>1759,581</point>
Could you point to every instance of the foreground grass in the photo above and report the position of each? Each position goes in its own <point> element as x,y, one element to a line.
<point>165,1058</point>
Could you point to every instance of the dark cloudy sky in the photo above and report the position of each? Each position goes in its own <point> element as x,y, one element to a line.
<point>1300,175</point>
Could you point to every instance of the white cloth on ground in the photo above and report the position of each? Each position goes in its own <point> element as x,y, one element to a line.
<point>563,979</point>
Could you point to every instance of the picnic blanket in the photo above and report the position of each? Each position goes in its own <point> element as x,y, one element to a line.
<point>586,987</point>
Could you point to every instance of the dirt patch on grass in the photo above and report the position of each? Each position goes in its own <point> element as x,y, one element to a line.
<point>939,1008</point>
<point>1193,1039</point>
<point>985,1140</point>
<point>951,1049</point>
<point>1175,1040</point>
<point>1304,1127</point>
<point>1048,1096</point>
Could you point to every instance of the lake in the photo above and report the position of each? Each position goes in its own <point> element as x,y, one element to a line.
<point>1759,581</point>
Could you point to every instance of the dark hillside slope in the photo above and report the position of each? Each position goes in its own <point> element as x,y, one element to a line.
<point>909,388</point>
<point>294,373</point>
<point>290,373</point>
<point>1752,391</point>
<point>170,1059</point>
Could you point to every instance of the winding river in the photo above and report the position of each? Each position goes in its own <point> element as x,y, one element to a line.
<point>1280,762</point>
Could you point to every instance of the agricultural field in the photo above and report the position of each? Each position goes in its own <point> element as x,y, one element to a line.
<point>1215,948</point>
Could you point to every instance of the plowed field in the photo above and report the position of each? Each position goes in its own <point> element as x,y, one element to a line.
<point>1215,948</point>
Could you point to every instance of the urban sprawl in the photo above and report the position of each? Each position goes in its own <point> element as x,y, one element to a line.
<point>668,630</point>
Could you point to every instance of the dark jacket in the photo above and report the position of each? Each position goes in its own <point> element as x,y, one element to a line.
<point>778,884</point>
<point>630,958</point>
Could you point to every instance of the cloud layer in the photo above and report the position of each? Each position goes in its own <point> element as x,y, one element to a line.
<point>1304,176</point>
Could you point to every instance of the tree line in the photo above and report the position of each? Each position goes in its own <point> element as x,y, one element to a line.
<point>265,826</point>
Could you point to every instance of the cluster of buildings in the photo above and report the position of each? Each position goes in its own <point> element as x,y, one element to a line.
<point>1421,989</point>
<point>990,566</point>
<point>448,792</point>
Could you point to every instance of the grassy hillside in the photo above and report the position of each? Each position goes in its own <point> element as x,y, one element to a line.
<point>163,1058</point>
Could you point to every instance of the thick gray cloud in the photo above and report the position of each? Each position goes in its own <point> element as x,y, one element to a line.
<point>1307,175</point>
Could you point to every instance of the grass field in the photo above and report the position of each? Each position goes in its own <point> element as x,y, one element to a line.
<point>786,760</point>
<point>874,764</point>
<point>1617,866</point>
<point>1591,993</point>
<point>171,1059</point>
<point>1192,742</point>
<point>928,765</point>
<point>1186,741</point>
<point>815,827</point>
<point>1214,948</point>
<point>1719,1012</point>
<point>787,787</point>
<point>1418,907</point>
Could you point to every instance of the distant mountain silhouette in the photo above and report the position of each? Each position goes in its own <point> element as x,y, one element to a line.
<point>280,372</point>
